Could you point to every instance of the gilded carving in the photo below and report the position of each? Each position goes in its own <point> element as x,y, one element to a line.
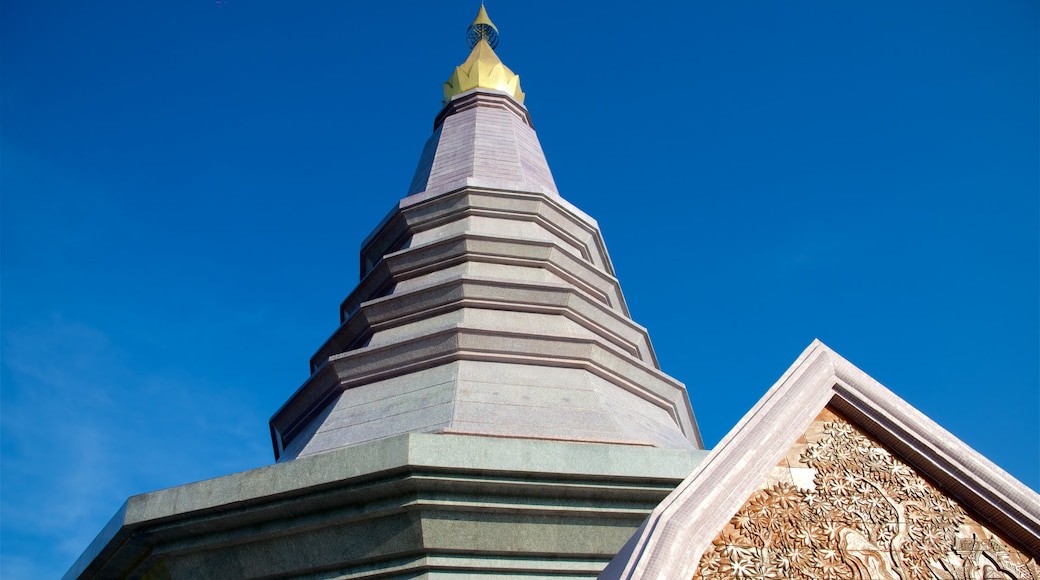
<point>866,515</point>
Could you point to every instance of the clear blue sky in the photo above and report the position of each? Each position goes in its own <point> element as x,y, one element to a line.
<point>185,186</point>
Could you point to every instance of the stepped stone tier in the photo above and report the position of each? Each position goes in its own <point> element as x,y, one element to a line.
<point>486,409</point>
<point>487,306</point>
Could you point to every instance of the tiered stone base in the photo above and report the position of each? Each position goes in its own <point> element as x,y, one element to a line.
<point>410,506</point>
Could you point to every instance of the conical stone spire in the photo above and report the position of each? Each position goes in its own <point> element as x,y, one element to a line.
<point>487,306</point>
<point>486,407</point>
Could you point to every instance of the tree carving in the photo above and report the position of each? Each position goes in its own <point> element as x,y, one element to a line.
<point>868,515</point>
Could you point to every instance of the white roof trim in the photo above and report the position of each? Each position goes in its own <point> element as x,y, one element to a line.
<point>671,541</point>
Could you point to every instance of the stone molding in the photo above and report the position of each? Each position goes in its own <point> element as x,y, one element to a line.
<point>482,97</point>
<point>550,212</point>
<point>368,365</point>
<point>440,254</point>
<point>671,541</point>
<point>471,292</point>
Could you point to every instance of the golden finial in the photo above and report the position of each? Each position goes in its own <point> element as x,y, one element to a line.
<point>482,28</point>
<point>483,69</point>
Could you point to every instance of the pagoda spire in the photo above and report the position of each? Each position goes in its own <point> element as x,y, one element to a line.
<point>483,69</point>
<point>482,28</point>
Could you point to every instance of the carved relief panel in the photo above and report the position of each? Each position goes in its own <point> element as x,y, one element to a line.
<point>842,506</point>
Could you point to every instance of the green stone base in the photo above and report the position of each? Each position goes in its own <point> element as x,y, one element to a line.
<point>411,506</point>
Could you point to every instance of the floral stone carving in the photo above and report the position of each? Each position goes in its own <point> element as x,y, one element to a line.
<point>860,513</point>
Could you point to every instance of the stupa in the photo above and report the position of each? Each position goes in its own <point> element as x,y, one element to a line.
<point>486,408</point>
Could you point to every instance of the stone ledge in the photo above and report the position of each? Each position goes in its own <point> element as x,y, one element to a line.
<point>599,479</point>
<point>366,365</point>
<point>467,291</point>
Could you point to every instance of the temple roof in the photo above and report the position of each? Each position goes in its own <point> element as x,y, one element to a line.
<point>685,525</point>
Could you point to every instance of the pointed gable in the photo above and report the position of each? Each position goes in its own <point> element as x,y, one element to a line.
<point>842,505</point>
<point>831,475</point>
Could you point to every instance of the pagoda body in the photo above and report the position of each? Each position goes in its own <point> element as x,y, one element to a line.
<point>487,304</point>
<point>486,409</point>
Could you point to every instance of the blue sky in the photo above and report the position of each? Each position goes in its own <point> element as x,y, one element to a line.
<point>185,186</point>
